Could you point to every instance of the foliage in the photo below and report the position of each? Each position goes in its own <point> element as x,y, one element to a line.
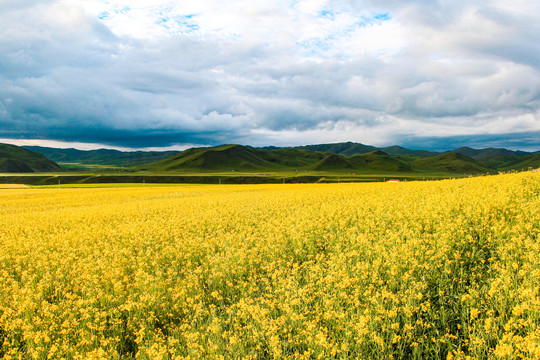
<point>443,269</point>
<point>20,160</point>
<point>101,156</point>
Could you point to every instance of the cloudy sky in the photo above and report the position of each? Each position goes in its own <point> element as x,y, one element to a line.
<point>163,73</point>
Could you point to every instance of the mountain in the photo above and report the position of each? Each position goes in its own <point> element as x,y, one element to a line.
<point>489,159</point>
<point>16,159</point>
<point>352,148</point>
<point>375,160</point>
<point>347,148</point>
<point>480,154</point>
<point>101,156</point>
<point>225,157</point>
<point>340,157</point>
<point>380,161</point>
<point>451,162</point>
<point>524,162</point>
<point>333,162</point>
<point>398,150</point>
<point>237,157</point>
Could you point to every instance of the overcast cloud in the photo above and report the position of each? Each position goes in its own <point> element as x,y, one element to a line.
<point>134,73</point>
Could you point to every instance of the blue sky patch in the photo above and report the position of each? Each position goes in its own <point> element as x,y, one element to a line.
<point>327,14</point>
<point>383,17</point>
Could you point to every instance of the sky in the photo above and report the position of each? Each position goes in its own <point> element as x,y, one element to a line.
<point>135,74</point>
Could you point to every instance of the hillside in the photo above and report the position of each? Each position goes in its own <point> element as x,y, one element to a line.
<point>101,156</point>
<point>531,161</point>
<point>16,159</point>
<point>451,162</point>
<point>347,148</point>
<point>380,161</point>
<point>237,157</point>
<point>337,157</point>
<point>481,154</point>
<point>398,150</point>
<point>333,162</point>
<point>225,157</point>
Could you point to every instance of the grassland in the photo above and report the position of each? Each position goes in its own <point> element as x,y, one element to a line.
<point>17,159</point>
<point>414,270</point>
<point>236,164</point>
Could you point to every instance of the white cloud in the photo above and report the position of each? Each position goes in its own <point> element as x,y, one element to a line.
<point>123,71</point>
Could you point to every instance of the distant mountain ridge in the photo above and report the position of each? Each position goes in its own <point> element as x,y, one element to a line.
<point>351,148</point>
<point>101,156</point>
<point>341,157</point>
<point>347,148</point>
<point>452,162</point>
<point>480,154</point>
<point>244,158</point>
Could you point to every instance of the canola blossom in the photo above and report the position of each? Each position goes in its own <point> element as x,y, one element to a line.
<point>413,270</point>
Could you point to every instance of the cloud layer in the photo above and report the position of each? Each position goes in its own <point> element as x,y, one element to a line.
<point>127,73</point>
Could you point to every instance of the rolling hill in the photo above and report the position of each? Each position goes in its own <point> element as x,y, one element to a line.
<point>101,156</point>
<point>480,154</point>
<point>347,148</point>
<point>242,158</point>
<point>451,162</point>
<point>530,161</point>
<point>239,158</point>
<point>337,157</point>
<point>16,159</point>
<point>380,161</point>
<point>225,157</point>
<point>398,150</point>
<point>332,162</point>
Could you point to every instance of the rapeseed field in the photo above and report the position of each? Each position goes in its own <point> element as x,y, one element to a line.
<point>414,270</point>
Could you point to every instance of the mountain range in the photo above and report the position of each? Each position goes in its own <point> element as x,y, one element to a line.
<point>338,157</point>
<point>328,158</point>
<point>101,156</point>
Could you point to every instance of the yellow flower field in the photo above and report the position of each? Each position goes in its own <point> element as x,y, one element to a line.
<point>444,269</point>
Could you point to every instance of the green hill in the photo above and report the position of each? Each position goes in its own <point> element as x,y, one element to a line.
<point>337,157</point>
<point>481,154</point>
<point>333,162</point>
<point>451,162</point>
<point>524,162</point>
<point>502,159</point>
<point>101,156</point>
<point>16,159</point>
<point>310,157</point>
<point>347,148</point>
<point>225,157</point>
<point>291,157</point>
<point>242,158</point>
<point>398,150</point>
<point>380,161</point>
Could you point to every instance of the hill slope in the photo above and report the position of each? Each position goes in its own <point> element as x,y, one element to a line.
<point>339,157</point>
<point>451,162</point>
<point>347,148</point>
<point>398,150</point>
<point>380,161</point>
<point>237,157</point>
<point>480,154</point>
<point>101,156</point>
<point>333,162</point>
<point>16,159</point>
<point>524,162</point>
<point>225,157</point>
